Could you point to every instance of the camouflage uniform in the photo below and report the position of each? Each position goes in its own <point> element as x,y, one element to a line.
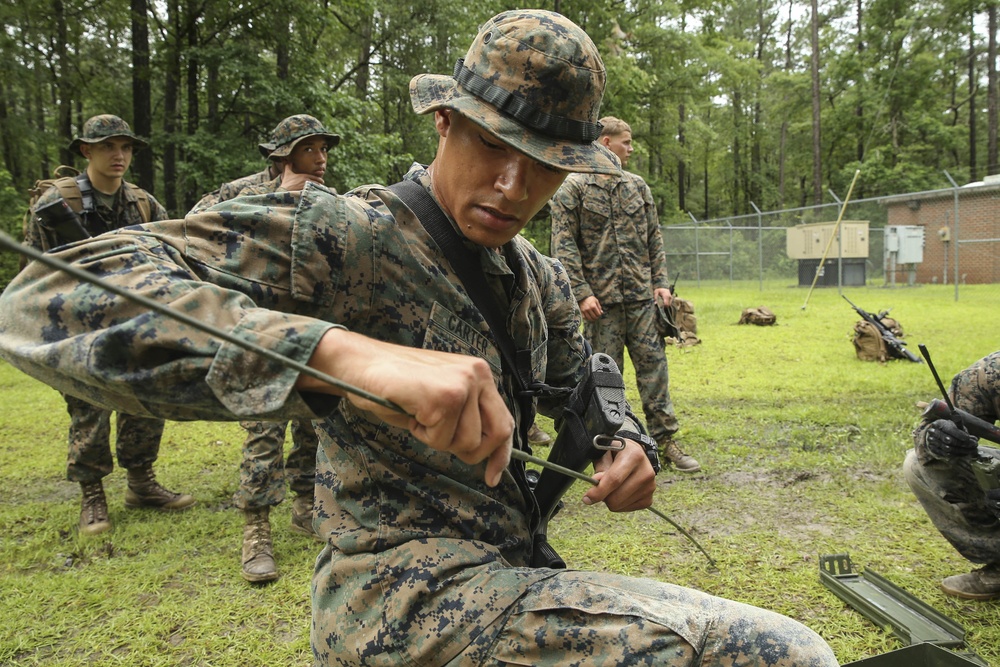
<point>424,563</point>
<point>263,471</point>
<point>606,233</point>
<point>228,191</point>
<point>947,488</point>
<point>138,438</point>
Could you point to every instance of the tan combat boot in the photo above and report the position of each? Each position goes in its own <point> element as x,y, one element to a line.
<point>258,554</point>
<point>94,509</point>
<point>302,516</point>
<point>144,491</point>
<point>537,436</point>
<point>981,584</point>
<point>678,458</point>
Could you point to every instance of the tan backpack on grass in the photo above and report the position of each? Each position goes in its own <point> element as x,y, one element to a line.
<point>761,316</point>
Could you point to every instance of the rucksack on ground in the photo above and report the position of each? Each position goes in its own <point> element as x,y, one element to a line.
<point>869,344</point>
<point>761,316</point>
<point>677,324</point>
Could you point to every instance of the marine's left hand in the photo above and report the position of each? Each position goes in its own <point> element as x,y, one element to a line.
<point>626,480</point>
<point>663,295</point>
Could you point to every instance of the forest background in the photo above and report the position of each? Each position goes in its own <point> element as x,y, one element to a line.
<point>734,104</point>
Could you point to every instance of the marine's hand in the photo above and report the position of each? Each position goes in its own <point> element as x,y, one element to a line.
<point>591,309</point>
<point>294,181</point>
<point>663,295</point>
<point>451,401</point>
<point>626,480</point>
<point>944,440</point>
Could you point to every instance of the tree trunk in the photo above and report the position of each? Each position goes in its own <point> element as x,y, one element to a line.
<point>816,142</point>
<point>991,96</point>
<point>681,164</point>
<point>142,115</point>
<point>170,108</point>
<point>973,169</point>
<point>63,87</point>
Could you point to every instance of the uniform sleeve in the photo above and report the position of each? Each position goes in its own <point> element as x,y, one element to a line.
<point>156,210</point>
<point>109,350</point>
<point>565,206</point>
<point>654,241</point>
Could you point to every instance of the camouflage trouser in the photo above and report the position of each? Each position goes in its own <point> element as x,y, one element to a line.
<point>137,443</point>
<point>955,503</point>
<point>263,471</point>
<point>632,325</point>
<point>606,620</point>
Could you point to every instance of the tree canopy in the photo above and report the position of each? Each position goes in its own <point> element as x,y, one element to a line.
<point>733,104</point>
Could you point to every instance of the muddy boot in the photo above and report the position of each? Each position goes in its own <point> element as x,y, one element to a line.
<point>981,584</point>
<point>679,459</point>
<point>258,554</point>
<point>302,516</point>
<point>94,509</point>
<point>144,491</point>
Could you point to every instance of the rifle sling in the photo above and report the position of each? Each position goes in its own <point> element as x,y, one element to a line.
<point>470,272</point>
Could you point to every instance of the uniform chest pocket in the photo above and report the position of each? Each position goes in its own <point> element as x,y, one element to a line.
<point>597,201</point>
<point>447,332</point>
<point>632,201</point>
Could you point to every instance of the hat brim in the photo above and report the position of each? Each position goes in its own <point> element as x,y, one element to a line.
<point>430,92</point>
<point>286,149</point>
<point>137,143</point>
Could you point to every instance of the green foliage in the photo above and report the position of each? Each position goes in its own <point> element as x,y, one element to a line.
<point>12,209</point>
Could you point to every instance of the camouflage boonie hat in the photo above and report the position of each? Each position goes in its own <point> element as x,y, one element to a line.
<point>291,131</point>
<point>102,127</point>
<point>533,79</point>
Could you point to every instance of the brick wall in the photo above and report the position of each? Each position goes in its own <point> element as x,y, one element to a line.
<point>978,233</point>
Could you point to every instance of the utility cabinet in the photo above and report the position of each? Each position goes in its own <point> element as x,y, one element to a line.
<point>843,265</point>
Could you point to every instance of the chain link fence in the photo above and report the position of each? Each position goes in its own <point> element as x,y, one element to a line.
<point>949,236</point>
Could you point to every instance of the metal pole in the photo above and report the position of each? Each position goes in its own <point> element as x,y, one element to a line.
<point>697,252</point>
<point>836,226</point>
<point>954,239</point>
<point>760,247</point>
<point>840,249</point>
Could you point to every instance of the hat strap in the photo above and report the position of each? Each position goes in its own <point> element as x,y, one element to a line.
<point>511,105</point>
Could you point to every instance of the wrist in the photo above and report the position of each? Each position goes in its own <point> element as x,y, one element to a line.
<point>648,445</point>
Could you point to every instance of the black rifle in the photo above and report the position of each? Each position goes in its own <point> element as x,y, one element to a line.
<point>666,316</point>
<point>982,429</point>
<point>61,223</point>
<point>895,345</point>
<point>592,416</point>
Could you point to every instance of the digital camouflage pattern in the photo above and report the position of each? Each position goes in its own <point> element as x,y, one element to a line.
<point>230,190</point>
<point>291,131</point>
<point>533,79</point>
<point>263,469</point>
<point>137,441</point>
<point>948,489</point>
<point>606,233</point>
<point>105,126</point>
<point>424,562</point>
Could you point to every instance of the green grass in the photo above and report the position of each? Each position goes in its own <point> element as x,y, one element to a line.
<point>801,446</point>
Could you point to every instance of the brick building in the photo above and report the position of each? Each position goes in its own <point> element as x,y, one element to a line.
<point>977,233</point>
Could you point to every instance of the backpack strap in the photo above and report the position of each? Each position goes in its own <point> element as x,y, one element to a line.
<point>142,199</point>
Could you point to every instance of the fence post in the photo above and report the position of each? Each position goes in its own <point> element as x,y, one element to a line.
<point>955,236</point>
<point>697,251</point>
<point>760,247</point>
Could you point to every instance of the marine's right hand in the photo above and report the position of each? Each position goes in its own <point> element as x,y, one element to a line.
<point>451,400</point>
<point>945,440</point>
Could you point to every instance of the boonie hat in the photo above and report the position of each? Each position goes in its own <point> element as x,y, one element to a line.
<point>533,79</point>
<point>291,131</point>
<point>102,127</point>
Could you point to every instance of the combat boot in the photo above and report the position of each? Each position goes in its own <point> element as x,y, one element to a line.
<point>302,516</point>
<point>678,458</point>
<point>258,553</point>
<point>94,509</point>
<point>981,584</point>
<point>537,436</point>
<point>144,491</point>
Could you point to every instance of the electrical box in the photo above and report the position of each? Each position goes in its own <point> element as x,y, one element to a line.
<point>906,242</point>
<point>810,241</point>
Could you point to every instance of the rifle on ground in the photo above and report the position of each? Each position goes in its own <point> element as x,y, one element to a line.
<point>593,415</point>
<point>895,345</point>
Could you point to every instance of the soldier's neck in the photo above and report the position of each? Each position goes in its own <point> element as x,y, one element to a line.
<point>108,186</point>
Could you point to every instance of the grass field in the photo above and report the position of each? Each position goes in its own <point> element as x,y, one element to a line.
<point>800,443</point>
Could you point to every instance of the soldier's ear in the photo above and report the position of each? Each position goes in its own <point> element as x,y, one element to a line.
<point>85,150</point>
<point>604,140</point>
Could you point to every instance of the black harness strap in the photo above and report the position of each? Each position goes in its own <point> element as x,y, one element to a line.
<point>469,270</point>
